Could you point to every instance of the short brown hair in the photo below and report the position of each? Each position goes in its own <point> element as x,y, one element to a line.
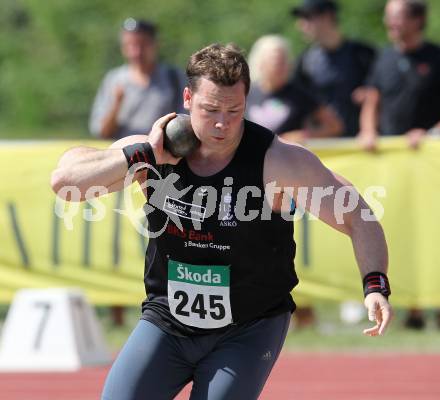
<point>223,65</point>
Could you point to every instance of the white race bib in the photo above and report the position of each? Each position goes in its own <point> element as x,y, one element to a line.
<point>198,295</point>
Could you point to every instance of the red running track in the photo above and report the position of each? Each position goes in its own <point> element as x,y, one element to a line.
<point>295,377</point>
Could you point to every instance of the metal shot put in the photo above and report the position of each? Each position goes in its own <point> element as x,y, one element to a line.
<point>179,137</point>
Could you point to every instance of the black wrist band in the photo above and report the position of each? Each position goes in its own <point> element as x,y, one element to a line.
<point>139,153</point>
<point>376,282</point>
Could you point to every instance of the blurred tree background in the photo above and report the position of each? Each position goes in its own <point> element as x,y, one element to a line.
<point>54,53</point>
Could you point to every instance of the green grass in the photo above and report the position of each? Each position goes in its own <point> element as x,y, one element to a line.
<point>351,339</point>
<point>43,134</point>
<point>117,335</point>
<point>328,334</point>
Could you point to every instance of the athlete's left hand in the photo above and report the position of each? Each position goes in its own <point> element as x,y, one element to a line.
<point>380,311</point>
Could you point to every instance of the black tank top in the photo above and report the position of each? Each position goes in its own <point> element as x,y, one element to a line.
<point>255,244</point>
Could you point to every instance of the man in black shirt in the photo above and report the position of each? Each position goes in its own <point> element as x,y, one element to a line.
<point>334,67</point>
<point>405,89</point>
<point>405,81</point>
<point>219,274</point>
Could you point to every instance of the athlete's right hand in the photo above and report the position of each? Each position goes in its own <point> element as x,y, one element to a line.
<point>156,140</point>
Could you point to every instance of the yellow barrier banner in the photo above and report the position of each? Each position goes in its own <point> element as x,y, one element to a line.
<point>96,246</point>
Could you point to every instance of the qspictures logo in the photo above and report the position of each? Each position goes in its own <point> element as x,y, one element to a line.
<point>229,204</point>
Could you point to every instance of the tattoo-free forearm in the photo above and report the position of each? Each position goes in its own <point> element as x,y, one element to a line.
<point>370,247</point>
<point>84,167</point>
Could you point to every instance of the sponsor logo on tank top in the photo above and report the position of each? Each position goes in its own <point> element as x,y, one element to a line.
<point>228,218</point>
<point>190,234</point>
<point>184,210</point>
<point>185,274</point>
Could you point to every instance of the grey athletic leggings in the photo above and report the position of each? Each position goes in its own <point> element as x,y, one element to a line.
<point>231,365</point>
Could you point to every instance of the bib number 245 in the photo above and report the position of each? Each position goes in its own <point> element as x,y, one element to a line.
<point>198,295</point>
<point>216,308</point>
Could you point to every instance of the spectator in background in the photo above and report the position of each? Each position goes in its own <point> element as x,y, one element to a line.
<point>404,96</point>
<point>334,67</point>
<point>134,95</point>
<point>131,97</point>
<point>277,103</point>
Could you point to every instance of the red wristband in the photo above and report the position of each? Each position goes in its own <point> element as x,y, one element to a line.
<point>139,153</point>
<point>376,282</point>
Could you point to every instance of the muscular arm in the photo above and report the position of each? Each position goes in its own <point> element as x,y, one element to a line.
<point>84,167</point>
<point>335,201</point>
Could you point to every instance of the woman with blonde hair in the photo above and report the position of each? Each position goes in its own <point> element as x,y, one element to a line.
<point>279,104</point>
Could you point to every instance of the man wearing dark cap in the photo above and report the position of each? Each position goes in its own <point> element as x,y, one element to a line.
<point>404,86</point>
<point>333,67</point>
<point>313,6</point>
<point>131,97</point>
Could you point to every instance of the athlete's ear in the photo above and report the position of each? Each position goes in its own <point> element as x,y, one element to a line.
<point>187,94</point>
